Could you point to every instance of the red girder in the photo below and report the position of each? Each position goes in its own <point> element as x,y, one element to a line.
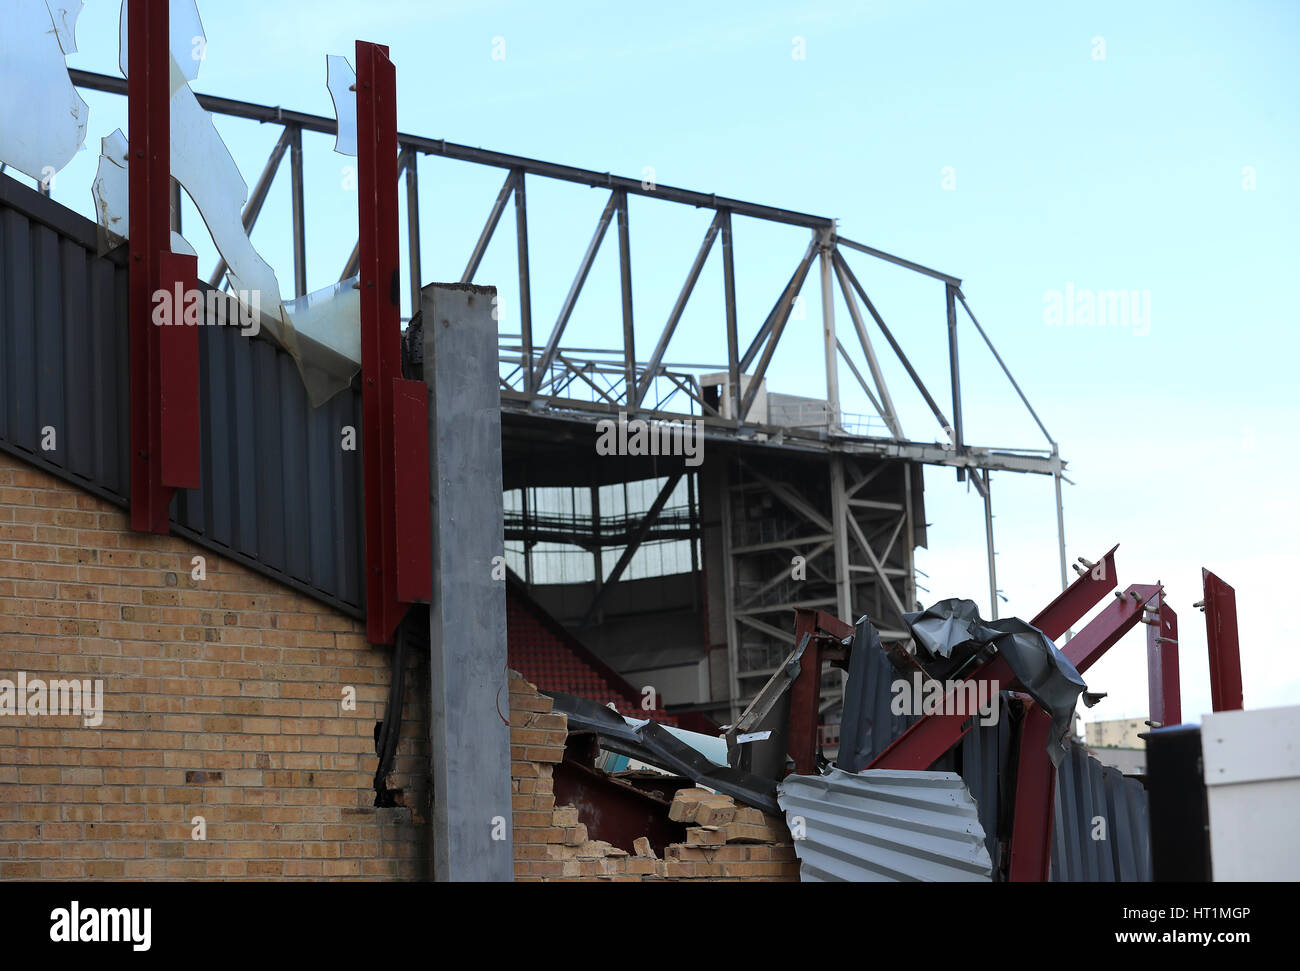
<point>394,410</point>
<point>1163,687</point>
<point>164,388</point>
<point>1221,637</point>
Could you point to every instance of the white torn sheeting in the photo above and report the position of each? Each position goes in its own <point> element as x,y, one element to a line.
<point>186,40</point>
<point>64,13</point>
<point>328,324</point>
<point>341,81</point>
<point>42,117</point>
<point>111,191</point>
<point>322,330</point>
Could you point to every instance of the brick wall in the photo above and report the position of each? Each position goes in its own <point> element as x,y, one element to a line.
<point>222,699</point>
<point>725,841</point>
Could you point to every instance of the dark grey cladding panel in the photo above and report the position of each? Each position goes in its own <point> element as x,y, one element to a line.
<point>279,494</point>
<point>1102,830</point>
<point>63,352</point>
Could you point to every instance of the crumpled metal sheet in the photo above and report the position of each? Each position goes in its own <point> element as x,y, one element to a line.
<point>868,723</point>
<point>952,630</point>
<point>885,825</point>
<point>655,745</point>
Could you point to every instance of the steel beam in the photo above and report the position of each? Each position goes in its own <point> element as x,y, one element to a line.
<point>886,406</point>
<point>408,162</point>
<point>988,538</point>
<point>1225,649</point>
<point>729,296</point>
<point>829,341</point>
<point>958,441</point>
<point>164,390</point>
<point>842,265</point>
<point>899,261</point>
<point>562,321</point>
<point>1005,370</point>
<point>489,228</point>
<point>805,693</point>
<point>525,281</point>
<point>1163,687</point>
<point>481,156</point>
<point>840,520</point>
<point>780,310</point>
<point>395,443</point>
<point>774,326</point>
<point>679,307</point>
<point>299,214</point>
<point>1035,802</point>
<point>1117,619</point>
<point>625,289</point>
<point>853,369</point>
<point>633,545</point>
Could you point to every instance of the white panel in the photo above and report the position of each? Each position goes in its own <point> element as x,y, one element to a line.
<point>1251,746</point>
<point>1253,832</point>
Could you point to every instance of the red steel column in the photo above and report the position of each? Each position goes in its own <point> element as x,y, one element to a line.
<point>149,213</point>
<point>164,388</point>
<point>1163,687</point>
<point>394,411</point>
<point>1031,827</point>
<point>1221,636</point>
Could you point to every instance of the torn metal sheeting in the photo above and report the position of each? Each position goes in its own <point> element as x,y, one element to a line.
<point>64,13</point>
<point>321,330</point>
<point>655,745</point>
<point>885,825</point>
<point>327,324</point>
<point>111,191</point>
<point>953,631</point>
<point>868,723</point>
<point>341,80</point>
<point>42,117</point>
<point>186,40</point>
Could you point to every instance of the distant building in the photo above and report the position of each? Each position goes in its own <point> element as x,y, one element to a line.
<point>1117,742</point>
<point>1116,733</point>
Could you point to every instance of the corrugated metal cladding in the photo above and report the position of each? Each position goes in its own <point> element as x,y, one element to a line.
<point>1085,790</point>
<point>279,493</point>
<point>885,825</point>
<point>1103,827</point>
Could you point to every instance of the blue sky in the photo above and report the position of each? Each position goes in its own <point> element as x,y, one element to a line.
<point>990,141</point>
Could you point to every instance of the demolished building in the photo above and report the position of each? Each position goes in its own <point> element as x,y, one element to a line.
<point>305,567</point>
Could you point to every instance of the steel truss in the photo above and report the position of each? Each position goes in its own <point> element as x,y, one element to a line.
<point>845,541</point>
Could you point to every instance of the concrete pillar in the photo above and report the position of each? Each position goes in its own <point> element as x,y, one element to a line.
<point>472,831</point>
